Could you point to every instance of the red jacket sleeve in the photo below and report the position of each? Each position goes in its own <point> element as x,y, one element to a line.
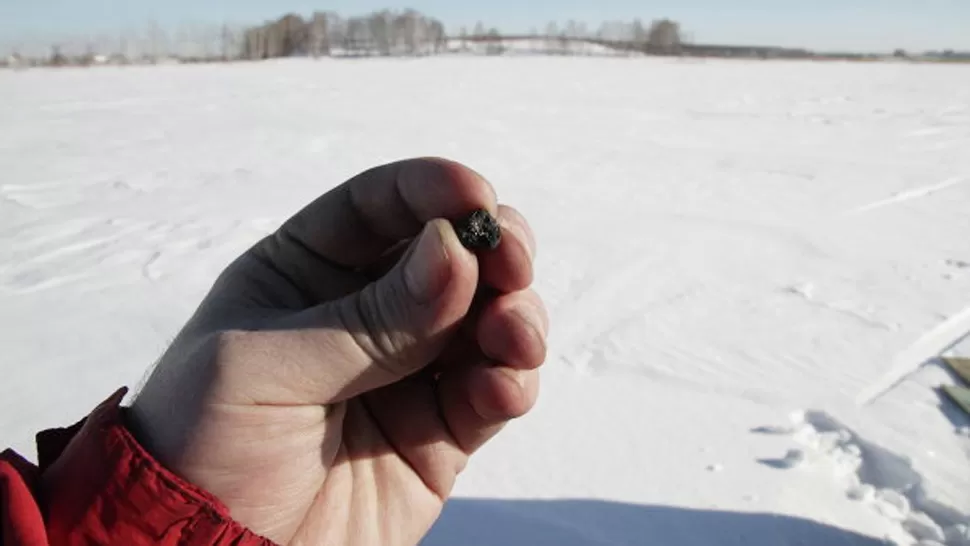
<point>95,485</point>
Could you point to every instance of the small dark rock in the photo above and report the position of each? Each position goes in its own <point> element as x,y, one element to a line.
<point>479,231</point>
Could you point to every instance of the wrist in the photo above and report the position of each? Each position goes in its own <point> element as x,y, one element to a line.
<point>101,485</point>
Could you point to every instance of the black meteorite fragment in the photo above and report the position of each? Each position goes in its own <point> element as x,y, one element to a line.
<point>479,231</point>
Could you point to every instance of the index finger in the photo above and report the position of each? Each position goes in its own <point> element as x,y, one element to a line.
<point>356,222</point>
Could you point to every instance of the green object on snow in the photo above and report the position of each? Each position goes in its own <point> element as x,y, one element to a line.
<point>960,396</point>
<point>961,366</point>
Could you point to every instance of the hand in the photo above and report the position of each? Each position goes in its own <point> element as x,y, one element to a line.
<point>335,380</point>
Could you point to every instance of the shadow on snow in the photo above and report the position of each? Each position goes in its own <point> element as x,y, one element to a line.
<point>474,522</point>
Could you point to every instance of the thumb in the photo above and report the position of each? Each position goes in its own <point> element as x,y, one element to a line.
<point>390,329</point>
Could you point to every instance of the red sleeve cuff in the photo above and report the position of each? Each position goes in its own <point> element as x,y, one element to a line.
<point>21,523</point>
<point>99,486</point>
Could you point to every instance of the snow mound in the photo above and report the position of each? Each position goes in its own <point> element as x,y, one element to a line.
<point>871,475</point>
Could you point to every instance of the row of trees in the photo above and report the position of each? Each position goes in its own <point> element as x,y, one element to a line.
<point>381,33</point>
<point>661,34</point>
<point>151,42</point>
<point>327,33</point>
<point>411,33</point>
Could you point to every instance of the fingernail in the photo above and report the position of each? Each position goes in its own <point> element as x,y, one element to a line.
<point>426,271</point>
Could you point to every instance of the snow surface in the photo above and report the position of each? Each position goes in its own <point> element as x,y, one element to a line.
<point>750,267</point>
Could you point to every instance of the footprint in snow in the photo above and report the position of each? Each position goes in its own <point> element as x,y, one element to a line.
<point>793,459</point>
<point>873,476</point>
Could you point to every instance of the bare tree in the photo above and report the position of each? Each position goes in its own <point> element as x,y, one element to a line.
<point>232,40</point>
<point>123,50</point>
<point>419,29</point>
<point>297,33</point>
<point>155,35</point>
<point>256,43</point>
<point>285,37</point>
<point>225,43</point>
<point>336,31</point>
<point>381,27</point>
<point>357,38</point>
<point>402,29</point>
<point>437,36</point>
<point>479,31</point>
<point>180,47</point>
<point>664,37</point>
<point>607,31</point>
<point>572,29</point>
<point>552,31</point>
<point>288,36</point>
<point>206,37</point>
<point>414,29</point>
<point>319,35</point>
<point>87,58</point>
<point>57,58</point>
<point>639,32</point>
<point>495,46</point>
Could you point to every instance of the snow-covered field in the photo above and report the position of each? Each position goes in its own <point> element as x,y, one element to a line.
<point>749,268</point>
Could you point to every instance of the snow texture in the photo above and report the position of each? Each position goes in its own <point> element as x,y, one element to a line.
<point>751,268</point>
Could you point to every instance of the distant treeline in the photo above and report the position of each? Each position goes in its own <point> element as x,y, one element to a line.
<point>413,33</point>
<point>383,33</point>
<point>390,33</point>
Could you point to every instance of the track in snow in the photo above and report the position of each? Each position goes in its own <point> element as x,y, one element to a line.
<point>908,195</point>
<point>938,340</point>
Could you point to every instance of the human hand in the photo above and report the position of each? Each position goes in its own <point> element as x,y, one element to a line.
<point>335,380</point>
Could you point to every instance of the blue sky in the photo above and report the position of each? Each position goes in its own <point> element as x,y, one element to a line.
<point>878,25</point>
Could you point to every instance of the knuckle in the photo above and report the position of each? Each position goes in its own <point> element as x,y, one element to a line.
<point>378,325</point>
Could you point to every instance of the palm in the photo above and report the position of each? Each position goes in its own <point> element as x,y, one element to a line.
<point>336,472</point>
<point>369,480</point>
<point>303,395</point>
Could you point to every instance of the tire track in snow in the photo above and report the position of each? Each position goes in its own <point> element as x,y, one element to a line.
<point>908,195</point>
<point>938,340</point>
